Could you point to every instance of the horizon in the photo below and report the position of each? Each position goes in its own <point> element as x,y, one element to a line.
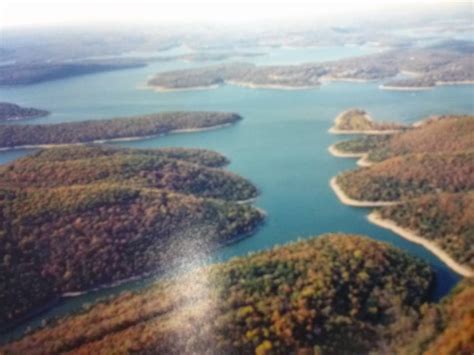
<point>25,14</point>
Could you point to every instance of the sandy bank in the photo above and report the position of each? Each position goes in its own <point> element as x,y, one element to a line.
<point>248,85</point>
<point>334,130</point>
<point>164,89</point>
<point>340,154</point>
<point>270,86</point>
<point>422,88</point>
<point>363,157</point>
<point>329,79</point>
<point>465,271</point>
<point>364,161</point>
<point>460,82</point>
<point>356,203</point>
<point>245,202</point>
<point>405,88</point>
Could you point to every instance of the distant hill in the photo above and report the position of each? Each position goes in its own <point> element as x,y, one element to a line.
<point>33,73</point>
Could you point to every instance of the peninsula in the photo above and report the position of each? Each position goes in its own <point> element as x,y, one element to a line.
<point>448,133</point>
<point>123,128</point>
<point>14,112</point>
<point>357,121</point>
<point>34,73</point>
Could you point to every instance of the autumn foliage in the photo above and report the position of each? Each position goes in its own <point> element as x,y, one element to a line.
<point>114,128</point>
<point>72,225</point>
<point>329,294</point>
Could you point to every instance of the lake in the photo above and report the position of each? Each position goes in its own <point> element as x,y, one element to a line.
<point>281,146</point>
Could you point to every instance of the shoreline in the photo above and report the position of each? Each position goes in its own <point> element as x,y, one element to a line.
<point>150,276</point>
<point>271,86</point>
<point>340,154</point>
<point>119,139</point>
<point>346,200</point>
<point>247,85</point>
<point>405,88</point>
<point>247,201</point>
<point>330,79</point>
<point>375,218</point>
<point>164,89</point>
<point>362,160</point>
<point>460,82</point>
<point>425,88</point>
<point>334,130</point>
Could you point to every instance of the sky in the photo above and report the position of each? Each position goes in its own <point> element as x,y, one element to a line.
<point>17,13</point>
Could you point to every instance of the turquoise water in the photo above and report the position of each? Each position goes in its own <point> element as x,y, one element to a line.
<point>281,146</point>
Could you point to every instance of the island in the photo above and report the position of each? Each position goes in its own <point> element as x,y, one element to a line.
<point>14,112</point>
<point>122,128</point>
<point>103,215</point>
<point>421,182</point>
<point>332,293</point>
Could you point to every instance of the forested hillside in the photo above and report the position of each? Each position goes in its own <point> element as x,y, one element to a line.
<point>429,171</point>
<point>67,227</point>
<point>443,134</point>
<point>140,170</point>
<point>362,144</point>
<point>409,176</point>
<point>446,218</point>
<point>204,157</point>
<point>436,328</point>
<point>449,134</point>
<point>331,294</point>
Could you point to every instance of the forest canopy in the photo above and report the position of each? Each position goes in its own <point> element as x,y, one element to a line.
<point>428,171</point>
<point>333,293</point>
<point>109,214</point>
<point>113,128</point>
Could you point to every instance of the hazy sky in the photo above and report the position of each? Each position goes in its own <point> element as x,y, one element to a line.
<point>31,12</point>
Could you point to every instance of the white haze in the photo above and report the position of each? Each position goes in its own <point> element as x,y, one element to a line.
<point>19,13</point>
